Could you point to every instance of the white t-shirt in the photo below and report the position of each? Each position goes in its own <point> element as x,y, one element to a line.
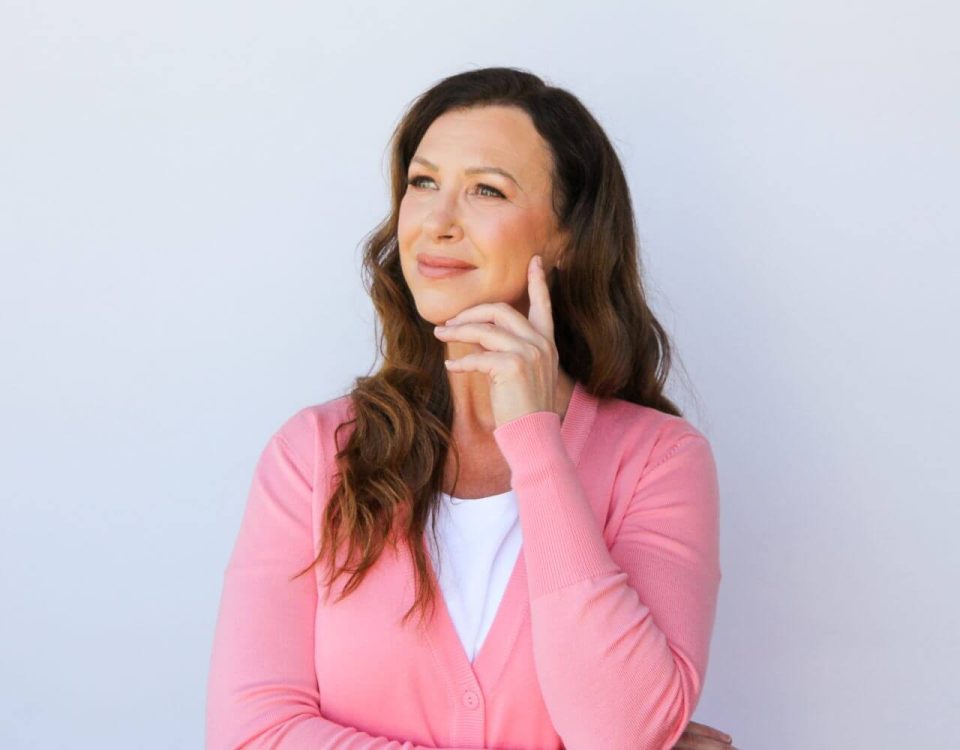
<point>479,540</point>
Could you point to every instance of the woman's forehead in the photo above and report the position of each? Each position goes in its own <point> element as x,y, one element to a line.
<point>462,141</point>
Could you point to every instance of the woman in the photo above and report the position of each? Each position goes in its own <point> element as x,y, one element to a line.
<point>571,567</point>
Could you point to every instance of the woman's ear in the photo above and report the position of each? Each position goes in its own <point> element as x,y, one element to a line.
<point>562,243</point>
<point>561,257</point>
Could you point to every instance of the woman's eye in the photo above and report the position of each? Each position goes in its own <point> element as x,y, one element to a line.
<point>493,192</point>
<point>496,192</point>
<point>415,181</point>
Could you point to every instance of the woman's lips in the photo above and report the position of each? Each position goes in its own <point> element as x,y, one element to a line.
<point>439,272</point>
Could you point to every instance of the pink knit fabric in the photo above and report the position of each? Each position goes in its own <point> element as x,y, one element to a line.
<point>601,640</point>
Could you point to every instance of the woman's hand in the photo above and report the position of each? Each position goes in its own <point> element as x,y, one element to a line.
<point>521,355</point>
<point>523,364</point>
<point>701,737</point>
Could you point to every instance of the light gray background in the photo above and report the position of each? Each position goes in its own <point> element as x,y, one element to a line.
<point>183,192</point>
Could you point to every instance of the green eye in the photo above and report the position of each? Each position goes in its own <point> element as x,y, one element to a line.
<point>497,193</point>
<point>493,192</point>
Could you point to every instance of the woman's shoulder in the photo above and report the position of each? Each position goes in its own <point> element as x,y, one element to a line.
<point>653,446</point>
<point>644,429</point>
<point>309,432</point>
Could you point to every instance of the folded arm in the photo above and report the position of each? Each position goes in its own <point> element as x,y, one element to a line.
<point>620,635</point>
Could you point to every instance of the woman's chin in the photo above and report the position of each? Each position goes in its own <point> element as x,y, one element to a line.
<point>438,315</point>
<point>438,308</point>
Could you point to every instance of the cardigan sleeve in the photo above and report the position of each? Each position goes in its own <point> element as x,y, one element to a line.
<point>262,690</point>
<point>621,635</point>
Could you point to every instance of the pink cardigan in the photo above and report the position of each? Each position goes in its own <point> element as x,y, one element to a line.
<point>601,639</point>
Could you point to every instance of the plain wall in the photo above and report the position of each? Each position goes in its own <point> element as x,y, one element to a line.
<point>184,189</point>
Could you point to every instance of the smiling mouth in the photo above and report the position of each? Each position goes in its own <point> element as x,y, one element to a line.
<point>441,272</point>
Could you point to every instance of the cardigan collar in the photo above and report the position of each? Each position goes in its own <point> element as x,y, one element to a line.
<point>514,608</point>
<point>579,418</point>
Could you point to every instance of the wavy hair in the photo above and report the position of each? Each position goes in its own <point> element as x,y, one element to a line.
<point>391,468</point>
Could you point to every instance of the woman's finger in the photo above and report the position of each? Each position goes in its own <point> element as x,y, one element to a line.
<point>701,742</point>
<point>487,335</point>
<point>706,731</point>
<point>541,314</point>
<point>501,314</point>
<point>698,736</point>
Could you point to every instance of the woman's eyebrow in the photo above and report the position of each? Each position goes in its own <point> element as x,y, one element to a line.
<point>470,170</point>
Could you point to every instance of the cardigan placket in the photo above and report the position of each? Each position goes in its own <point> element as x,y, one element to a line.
<point>470,682</point>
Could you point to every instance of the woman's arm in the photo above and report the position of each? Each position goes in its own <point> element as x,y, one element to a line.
<point>620,635</point>
<point>262,690</point>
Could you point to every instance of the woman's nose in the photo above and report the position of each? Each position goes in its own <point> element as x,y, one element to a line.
<point>442,218</point>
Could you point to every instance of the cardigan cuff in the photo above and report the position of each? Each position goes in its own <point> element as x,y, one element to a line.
<point>562,538</point>
<point>527,442</point>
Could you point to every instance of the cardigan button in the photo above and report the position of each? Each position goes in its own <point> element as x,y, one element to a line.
<point>470,699</point>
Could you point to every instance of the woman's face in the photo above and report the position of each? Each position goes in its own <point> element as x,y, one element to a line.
<point>494,221</point>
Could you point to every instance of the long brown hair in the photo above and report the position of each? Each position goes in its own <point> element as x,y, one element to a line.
<point>392,466</point>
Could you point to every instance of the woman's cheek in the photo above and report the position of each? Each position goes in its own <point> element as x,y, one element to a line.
<point>405,226</point>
